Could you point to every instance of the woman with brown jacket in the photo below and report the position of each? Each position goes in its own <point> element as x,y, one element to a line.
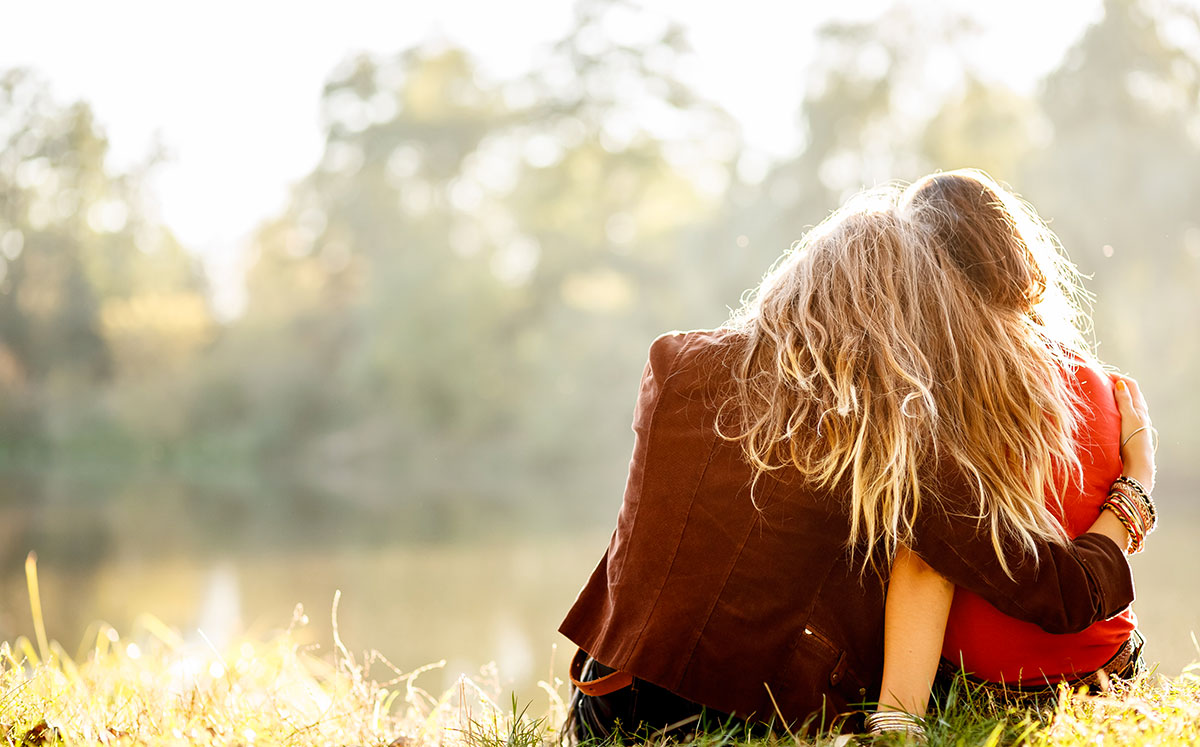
<point>850,408</point>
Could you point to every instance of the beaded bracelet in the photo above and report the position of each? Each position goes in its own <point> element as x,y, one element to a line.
<point>1134,508</point>
<point>1126,512</point>
<point>881,722</point>
<point>1139,496</point>
<point>1140,507</point>
<point>1142,493</point>
<point>1132,526</point>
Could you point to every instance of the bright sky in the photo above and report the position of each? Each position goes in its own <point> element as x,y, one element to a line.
<point>231,87</point>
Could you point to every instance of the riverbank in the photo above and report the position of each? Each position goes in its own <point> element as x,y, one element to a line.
<point>154,689</point>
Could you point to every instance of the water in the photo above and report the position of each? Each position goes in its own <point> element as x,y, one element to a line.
<point>421,580</point>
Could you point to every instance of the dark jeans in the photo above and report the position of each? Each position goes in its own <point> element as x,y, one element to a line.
<point>642,710</point>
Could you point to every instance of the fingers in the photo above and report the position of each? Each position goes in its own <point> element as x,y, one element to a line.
<point>1139,401</point>
<point>1131,402</point>
<point>1137,445</point>
<point>1124,398</point>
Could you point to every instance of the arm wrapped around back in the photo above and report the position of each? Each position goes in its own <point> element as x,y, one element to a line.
<point>1064,588</point>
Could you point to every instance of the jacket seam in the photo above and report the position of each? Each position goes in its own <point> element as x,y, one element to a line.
<point>671,371</point>
<point>671,566</point>
<point>724,582</point>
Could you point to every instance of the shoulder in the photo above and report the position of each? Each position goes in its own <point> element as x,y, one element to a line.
<point>689,368</point>
<point>681,353</point>
<point>1093,384</point>
<point>1090,377</point>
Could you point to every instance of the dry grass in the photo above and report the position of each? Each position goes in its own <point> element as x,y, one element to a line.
<point>163,692</point>
<point>1158,711</point>
<point>154,688</point>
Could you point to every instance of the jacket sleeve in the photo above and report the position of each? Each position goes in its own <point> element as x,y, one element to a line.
<point>1064,589</point>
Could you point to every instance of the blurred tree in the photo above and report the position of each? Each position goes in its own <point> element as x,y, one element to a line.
<point>1119,177</point>
<point>986,126</point>
<point>458,299</point>
<point>621,166</point>
<point>870,97</point>
<point>48,309</point>
<point>92,290</point>
<point>477,268</point>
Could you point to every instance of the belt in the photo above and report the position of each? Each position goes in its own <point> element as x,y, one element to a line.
<point>605,685</point>
<point>1125,664</point>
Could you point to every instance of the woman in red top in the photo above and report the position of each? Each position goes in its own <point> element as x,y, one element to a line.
<point>980,641</point>
<point>995,647</point>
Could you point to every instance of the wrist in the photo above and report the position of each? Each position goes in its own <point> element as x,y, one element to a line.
<point>1108,525</point>
<point>885,721</point>
<point>1130,502</point>
<point>1140,471</point>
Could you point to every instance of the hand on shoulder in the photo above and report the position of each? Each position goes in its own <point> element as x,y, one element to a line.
<point>1138,436</point>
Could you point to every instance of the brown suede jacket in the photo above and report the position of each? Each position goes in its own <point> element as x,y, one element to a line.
<point>707,596</point>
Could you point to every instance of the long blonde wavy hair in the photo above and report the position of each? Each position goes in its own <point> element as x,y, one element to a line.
<point>916,328</point>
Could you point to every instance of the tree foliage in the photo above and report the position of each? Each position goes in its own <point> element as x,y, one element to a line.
<point>458,298</point>
<point>94,293</point>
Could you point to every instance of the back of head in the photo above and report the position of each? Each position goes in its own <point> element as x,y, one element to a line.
<point>913,328</point>
<point>967,214</point>
<point>1004,249</point>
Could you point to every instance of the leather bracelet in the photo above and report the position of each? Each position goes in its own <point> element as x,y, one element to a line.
<point>1134,544</point>
<point>1128,511</point>
<point>1143,510</point>
<point>1138,493</point>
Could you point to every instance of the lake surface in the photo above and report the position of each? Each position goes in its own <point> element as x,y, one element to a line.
<point>420,581</point>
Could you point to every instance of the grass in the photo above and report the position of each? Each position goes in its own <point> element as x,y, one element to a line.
<point>154,688</point>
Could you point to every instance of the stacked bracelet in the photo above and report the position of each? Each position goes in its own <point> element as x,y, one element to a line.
<point>881,722</point>
<point>1142,507</point>
<point>1134,508</point>
<point>1140,492</point>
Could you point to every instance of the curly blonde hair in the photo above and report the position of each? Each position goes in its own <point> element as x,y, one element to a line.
<point>916,328</point>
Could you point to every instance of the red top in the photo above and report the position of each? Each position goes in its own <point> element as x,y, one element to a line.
<point>999,648</point>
